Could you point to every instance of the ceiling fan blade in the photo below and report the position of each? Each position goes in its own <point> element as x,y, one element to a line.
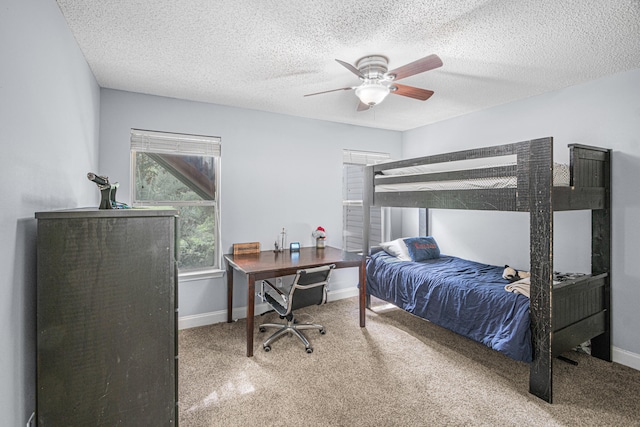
<point>421,65</point>
<point>351,68</point>
<point>411,92</point>
<point>362,106</point>
<point>327,91</point>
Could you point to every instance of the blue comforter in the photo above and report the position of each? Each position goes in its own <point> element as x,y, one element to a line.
<point>464,296</point>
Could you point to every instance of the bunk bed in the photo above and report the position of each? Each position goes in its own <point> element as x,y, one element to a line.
<point>519,177</point>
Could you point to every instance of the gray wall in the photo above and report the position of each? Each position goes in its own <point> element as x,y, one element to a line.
<point>49,104</point>
<point>606,113</point>
<point>277,171</point>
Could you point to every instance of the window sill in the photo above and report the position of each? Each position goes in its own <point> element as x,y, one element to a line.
<point>199,275</point>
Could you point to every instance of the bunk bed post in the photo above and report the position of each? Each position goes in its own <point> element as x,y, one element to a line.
<point>367,199</point>
<point>540,154</point>
<point>601,260</point>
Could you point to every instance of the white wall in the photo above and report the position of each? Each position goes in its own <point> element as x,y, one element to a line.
<point>277,171</point>
<point>49,103</point>
<point>605,113</point>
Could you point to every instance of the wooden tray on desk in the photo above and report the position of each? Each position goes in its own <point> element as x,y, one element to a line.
<point>246,248</point>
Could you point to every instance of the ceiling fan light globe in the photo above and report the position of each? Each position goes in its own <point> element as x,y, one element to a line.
<point>372,93</point>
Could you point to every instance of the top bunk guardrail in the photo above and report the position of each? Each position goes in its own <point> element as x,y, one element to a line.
<point>493,178</point>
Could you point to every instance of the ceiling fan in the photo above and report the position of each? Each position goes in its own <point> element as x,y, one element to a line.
<point>377,82</point>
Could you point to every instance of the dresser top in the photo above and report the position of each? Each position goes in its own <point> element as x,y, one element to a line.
<point>107,213</point>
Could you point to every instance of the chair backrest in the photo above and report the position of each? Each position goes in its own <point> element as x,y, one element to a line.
<point>310,287</point>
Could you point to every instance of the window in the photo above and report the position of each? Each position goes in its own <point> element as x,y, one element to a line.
<point>353,163</point>
<point>181,171</point>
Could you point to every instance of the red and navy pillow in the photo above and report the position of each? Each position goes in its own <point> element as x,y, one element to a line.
<point>422,248</point>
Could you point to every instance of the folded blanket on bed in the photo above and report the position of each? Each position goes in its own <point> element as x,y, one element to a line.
<point>522,286</point>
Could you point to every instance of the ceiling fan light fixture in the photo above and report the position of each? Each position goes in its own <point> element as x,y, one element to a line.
<point>378,81</point>
<point>372,93</point>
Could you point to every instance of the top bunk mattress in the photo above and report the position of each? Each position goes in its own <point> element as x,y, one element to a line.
<point>561,176</point>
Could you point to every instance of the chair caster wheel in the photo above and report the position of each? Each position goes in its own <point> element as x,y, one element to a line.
<point>323,331</point>
<point>309,350</point>
<point>261,329</point>
<point>267,348</point>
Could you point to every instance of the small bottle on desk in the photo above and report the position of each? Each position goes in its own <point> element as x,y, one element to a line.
<point>283,239</point>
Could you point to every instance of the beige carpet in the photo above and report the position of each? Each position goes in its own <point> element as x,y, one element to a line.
<point>398,371</point>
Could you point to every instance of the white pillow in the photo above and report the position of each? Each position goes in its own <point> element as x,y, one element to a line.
<point>397,248</point>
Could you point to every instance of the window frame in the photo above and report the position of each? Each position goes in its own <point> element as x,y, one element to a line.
<point>189,145</point>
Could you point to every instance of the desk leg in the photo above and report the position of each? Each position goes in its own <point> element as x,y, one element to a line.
<point>363,292</point>
<point>251,297</point>
<point>229,293</point>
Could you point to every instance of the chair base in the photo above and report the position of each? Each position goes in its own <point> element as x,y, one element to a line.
<point>292,328</point>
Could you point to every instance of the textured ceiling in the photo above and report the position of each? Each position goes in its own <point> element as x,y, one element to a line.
<point>266,55</point>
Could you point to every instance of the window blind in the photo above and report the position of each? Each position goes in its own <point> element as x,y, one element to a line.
<point>363,157</point>
<point>353,190</point>
<point>166,142</point>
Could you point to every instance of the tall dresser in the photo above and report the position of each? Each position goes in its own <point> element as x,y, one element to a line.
<point>107,318</point>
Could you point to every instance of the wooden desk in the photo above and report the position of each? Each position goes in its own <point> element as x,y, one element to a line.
<point>269,264</point>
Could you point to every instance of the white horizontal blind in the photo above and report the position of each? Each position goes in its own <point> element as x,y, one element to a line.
<point>165,142</point>
<point>353,233</point>
<point>353,190</point>
<point>363,157</point>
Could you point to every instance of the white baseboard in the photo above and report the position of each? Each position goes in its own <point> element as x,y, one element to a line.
<point>626,358</point>
<point>220,316</point>
<point>618,355</point>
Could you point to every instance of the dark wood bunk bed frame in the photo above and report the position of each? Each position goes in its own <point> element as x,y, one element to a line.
<point>562,316</point>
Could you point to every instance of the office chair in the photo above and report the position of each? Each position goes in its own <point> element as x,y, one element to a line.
<point>309,288</point>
